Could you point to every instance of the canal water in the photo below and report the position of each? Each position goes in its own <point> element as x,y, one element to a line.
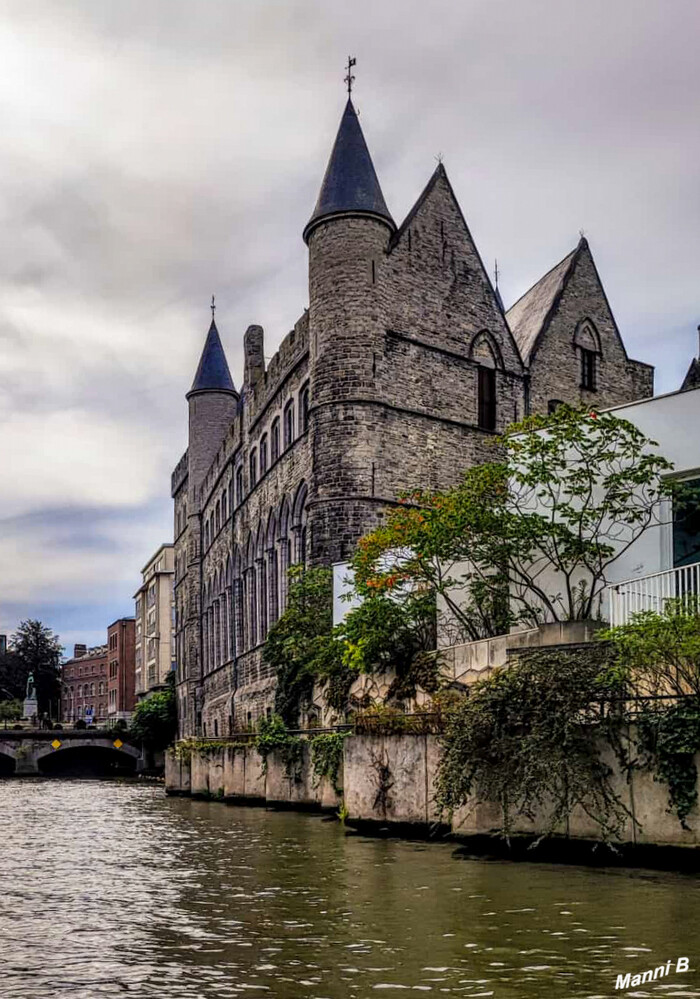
<point>111,889</point>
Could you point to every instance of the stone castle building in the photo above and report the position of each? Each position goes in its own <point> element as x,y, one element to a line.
<point>398,374</point>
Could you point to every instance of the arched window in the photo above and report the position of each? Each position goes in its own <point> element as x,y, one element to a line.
<point>217,521</point>
<point>102,687</point>
<point>92,690</point>
<point>587,342</point>
<point>288,423</point>
<point>553,405</point>
<point>239,484</point>
<point>275,439</point>
<point>263,455</point>
<point>224,512</point>
<point>304,409</point>
<point>485,352</point>
<point>253,467</point>
<point>206,533</point>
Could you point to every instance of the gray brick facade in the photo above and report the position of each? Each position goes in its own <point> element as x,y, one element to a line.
<point>399,375</point>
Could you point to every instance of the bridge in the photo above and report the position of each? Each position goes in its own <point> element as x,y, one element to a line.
<point>74,752</point>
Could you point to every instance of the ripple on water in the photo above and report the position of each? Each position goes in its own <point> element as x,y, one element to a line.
<point>112,889</point>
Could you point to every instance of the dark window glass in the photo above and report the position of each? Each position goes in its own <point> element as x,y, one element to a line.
<point>263,455</point>
<point>276,439</point>
<point>588,370</point>
<point>487,398</point>
<point>239,485</point>
<point>304,409</point>
<point>288,424</point>
<point>686,524</point>
<point>253,463</point>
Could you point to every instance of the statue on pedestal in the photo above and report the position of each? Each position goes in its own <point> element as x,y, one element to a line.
<point>31,704</point>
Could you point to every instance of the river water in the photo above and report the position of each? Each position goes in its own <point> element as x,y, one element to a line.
<point>111,889</point>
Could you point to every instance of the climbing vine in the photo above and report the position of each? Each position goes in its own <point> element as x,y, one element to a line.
<point>527,737</point>
<point>670,738</point>
<point>274,737</point>
<point>326,758</point>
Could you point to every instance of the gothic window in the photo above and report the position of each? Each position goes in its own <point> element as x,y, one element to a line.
<point>253,467</point>
<point>487,398</point>
<point>275,439</point>
<point>253,606</point>
<point>230,496</point>
<point>218,516</point>
<point>288,424</point>
<point>239,484</point>
<point>217,634</point>
<point>263,601</point>
<point>263,455</point>
<point>224,513</point>
<point>588,370</point>
<point>304,409</point>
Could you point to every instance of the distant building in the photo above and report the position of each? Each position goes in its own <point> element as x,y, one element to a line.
<point>154,622</point>
<point>84,686</point>
<point>121,680</point>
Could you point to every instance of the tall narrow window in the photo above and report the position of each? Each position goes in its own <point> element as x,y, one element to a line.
<point>253,466</point>
<point>275,439</point>
<point>263,455</point>
<point>487,398</point>
<point>588,373</point>
<point>304,409</point>
<point>288,424</point>
<point>239,485</point>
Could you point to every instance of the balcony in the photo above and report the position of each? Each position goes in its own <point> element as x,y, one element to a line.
<point>650,593</point>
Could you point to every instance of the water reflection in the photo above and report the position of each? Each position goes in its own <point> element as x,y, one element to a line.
<point>112,889</point>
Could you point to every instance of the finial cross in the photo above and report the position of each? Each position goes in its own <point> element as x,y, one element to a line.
<point>212,307</point>
<point>350,79</point>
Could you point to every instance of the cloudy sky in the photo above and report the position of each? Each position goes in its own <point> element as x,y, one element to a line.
<point>155,151</point>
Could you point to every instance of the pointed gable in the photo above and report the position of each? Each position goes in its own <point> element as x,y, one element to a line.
<point>350,184</point>
<point>213,373</point>
<point>441,289</point>
<point>528,317</point>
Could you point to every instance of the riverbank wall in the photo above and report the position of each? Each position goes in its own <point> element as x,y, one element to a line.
<point>386,783</point>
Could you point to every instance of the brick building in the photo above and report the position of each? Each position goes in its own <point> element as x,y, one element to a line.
<point>398,374</point>
<point>154,622</point>
<point>121,696</point>
<point>84,686</point>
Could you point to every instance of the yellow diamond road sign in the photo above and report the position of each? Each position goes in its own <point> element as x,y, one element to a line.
<point>117,744</point>
<point>56,744</point>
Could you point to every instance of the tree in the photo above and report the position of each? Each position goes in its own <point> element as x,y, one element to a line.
<point>300,645</point>
<point>154,721</point>
<point>529,538</point>
<point>38,651</point>
<point>10,711</point>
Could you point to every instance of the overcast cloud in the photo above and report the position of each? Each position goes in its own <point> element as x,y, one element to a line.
<point>156,151</point>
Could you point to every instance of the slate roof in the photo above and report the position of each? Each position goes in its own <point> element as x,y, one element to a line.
<point>213,373</point>
<point>529,314</point>
<point>350,182</point>
<point>692,378</point>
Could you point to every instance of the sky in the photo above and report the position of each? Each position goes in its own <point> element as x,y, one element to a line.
<point>154,152</point>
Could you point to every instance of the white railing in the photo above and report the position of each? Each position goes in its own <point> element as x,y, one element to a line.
<point>650,593</point>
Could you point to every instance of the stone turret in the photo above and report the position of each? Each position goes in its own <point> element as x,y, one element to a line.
<point>347,235</point>
<point>212,402</point>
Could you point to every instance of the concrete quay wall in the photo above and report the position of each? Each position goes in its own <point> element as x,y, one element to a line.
<point>388,780</point>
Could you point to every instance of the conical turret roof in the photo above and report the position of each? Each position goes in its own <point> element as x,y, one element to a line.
<point>350,184</point>
<point>213,373</point>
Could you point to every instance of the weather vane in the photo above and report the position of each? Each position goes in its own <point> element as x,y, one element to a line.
<point>213,308</point>
<point>350,79</point>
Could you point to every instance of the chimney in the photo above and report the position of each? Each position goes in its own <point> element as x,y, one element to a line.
<point>79,650</point>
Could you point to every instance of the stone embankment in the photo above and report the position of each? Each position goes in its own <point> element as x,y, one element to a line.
<point>386,782</point>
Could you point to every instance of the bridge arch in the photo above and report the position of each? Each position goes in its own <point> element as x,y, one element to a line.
<point>7,762</point>
<point>88,757</point>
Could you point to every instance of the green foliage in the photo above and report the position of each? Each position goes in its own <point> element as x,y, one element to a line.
<point>301,646</point>
<point>154,721</point>
<point>671,737</point>
<point>273,737</point>
<point>35,649</point>
<point>527,737</point>
<point>658,655</point>
<point>10,711</point>
<point>528,538</point>
<point>326,758</point>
